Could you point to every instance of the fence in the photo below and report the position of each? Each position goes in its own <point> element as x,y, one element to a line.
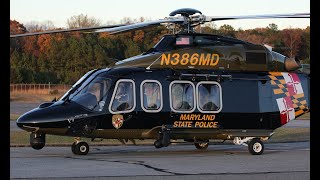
<point>39,88</point>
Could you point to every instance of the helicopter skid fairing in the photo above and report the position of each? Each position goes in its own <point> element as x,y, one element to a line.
<point>182,133</point>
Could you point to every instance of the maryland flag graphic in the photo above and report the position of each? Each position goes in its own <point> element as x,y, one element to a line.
<point>290,98</point>
<point>117,121</point>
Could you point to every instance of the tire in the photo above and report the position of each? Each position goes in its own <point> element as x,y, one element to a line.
<point>158,144</point>
<point>37,141</point>
<point>80,148</point>
<point>202,146</point>
<point>73,148</point>
<point>256,146</point>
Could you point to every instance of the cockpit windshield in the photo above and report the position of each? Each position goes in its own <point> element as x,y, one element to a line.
<point>93,92</point>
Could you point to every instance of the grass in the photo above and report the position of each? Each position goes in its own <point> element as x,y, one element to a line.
<point>304,117</point>
<point>14,117</point>
<point>21,138</point>
<point>33,97</point>
<point>290,135</point>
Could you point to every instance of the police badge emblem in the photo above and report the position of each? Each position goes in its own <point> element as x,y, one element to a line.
<point>117,121</point>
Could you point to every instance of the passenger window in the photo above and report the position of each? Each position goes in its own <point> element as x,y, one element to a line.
<point>123,98</point>
<point>151,96</point>
<point>209,97</point>
<point>182,96</point>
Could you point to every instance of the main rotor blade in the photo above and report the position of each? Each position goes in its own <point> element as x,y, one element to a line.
<point>268,16</point>
<point>65,30</point>
<point>176,20</point>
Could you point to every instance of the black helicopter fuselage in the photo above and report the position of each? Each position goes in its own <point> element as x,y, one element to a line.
<point>252,90</point>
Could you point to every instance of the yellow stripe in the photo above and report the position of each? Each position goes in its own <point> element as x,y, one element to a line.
<point>273,78</point>
<point>287,93</point>
<point>273,83</point>
<point>277,91</point>
<point>303,102</point>
<point>297,113</point>
<point>295,101</point>
<point>302,106</point>
<point>281,86</point>
<point>282,81</point>
<point>275,73</point>
<point>297,96</point>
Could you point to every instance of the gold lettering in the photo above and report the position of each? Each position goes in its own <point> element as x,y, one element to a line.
<point>189,124</point>
<point>175,124</point>
<point>194,59</point>
<point>176,57</point>
<point>206,124</point>
<point>165,59</point>
<point>214,59</point>
<point>184,117</point>
<point>204,60</point>
<point>212,117</point>
<point>185,59</point>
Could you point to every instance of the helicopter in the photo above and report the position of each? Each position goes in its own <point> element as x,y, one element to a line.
<point>191,86</point>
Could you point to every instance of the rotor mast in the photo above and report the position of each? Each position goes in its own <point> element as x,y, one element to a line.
<point>190,21</point>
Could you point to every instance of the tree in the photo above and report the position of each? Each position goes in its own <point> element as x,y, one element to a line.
<point>35,26</point>
<point>82,20</point>
<point>227,30</point>
<point>16,28</point>
<point>292,40</point>
<point>304,50</point>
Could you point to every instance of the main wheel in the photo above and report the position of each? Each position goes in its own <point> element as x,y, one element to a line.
<point>73,148</point>
<point>158,143</point>
<point>256,146</point>
<point>202,145</point>
<point>80,148</point>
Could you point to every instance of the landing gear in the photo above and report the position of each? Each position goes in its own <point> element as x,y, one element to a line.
<point>256,146</point>
<point>37,140</point>
<point>80,148</point>
<point>158,143</point>
<point>164,139</point>
<point>202,145</point>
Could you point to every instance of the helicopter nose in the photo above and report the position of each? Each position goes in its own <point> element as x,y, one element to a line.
<point>27,122</point>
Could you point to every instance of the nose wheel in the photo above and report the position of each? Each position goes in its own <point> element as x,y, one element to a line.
<point>37,141</point>
<point>80,148</point>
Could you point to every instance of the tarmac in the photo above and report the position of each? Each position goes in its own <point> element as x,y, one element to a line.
<point>279,161</point>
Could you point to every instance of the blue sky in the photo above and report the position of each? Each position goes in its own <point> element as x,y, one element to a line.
<point>58,11</point>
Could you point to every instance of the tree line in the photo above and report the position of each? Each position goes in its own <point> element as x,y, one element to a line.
<point>64,57</point>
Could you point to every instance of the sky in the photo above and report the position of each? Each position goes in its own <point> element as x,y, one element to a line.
<point>58,11</point>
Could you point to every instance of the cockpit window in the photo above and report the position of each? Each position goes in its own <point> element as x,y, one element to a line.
<point>123,98</point>
<point>76,84</point>
<point>93,95</point>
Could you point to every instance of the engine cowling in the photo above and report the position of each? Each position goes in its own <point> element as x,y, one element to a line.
<point>292,64</point>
